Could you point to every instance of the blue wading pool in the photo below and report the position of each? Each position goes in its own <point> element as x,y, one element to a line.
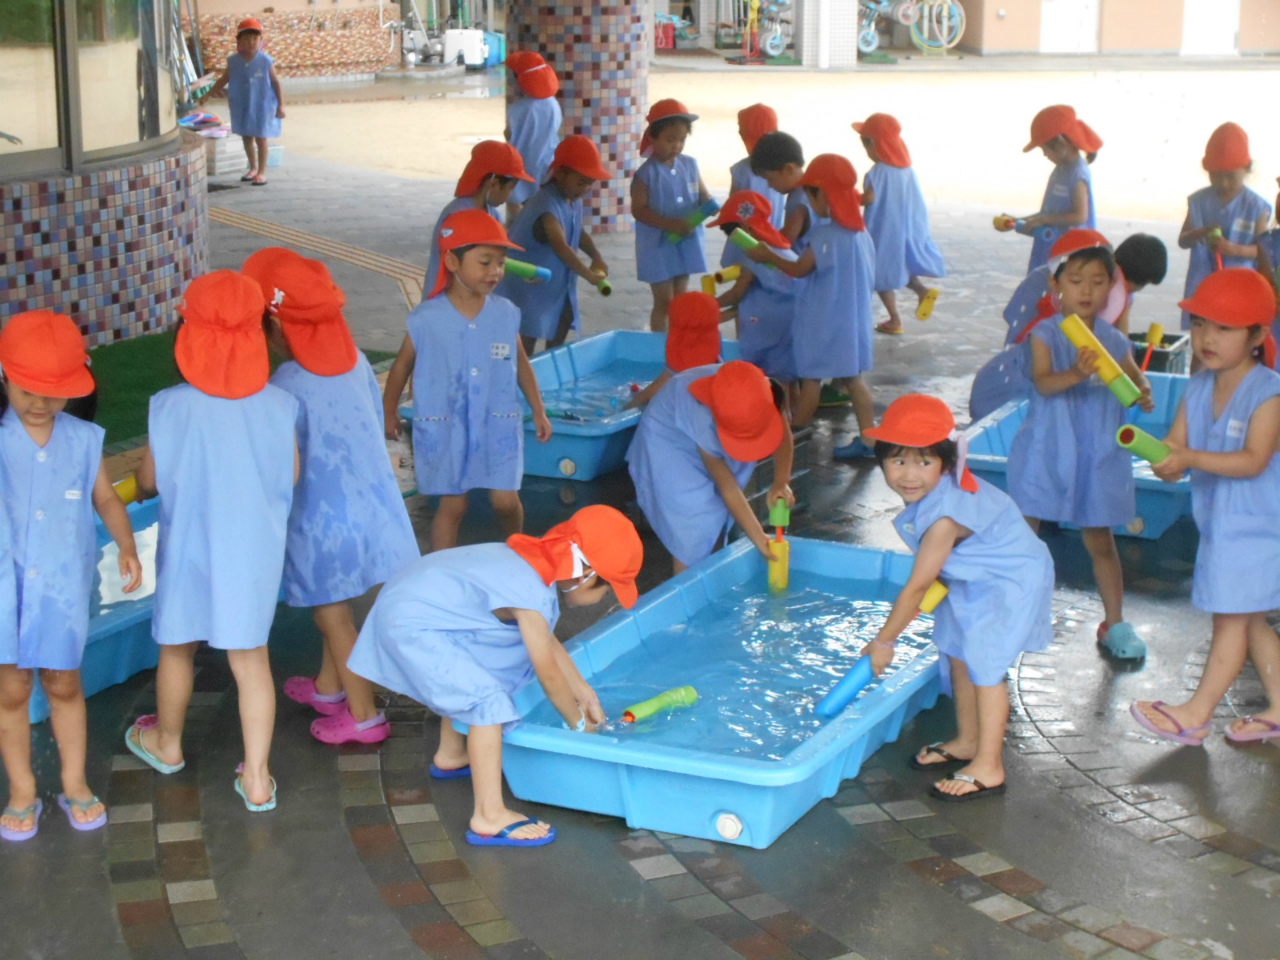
<point>750,757</point>
<point>1159,504</point>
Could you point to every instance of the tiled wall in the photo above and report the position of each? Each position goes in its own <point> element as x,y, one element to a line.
<point>113,249</point>
<point>303,44</point>
<point>601,54</point>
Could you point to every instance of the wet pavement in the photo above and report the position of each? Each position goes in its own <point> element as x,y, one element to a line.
<point>1108,843</point>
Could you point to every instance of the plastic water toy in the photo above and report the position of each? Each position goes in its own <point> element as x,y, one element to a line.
<point>527,271</point>
<point>780,565</point>
<point>861,674</point>
<point>1215,233</point>
<point>709,284</point>
<point>1155,337</point>
<point>1108,371</point>
<point>697,218</point>
<point>667,700</point>
<point>745,241</point>
<point>1004,223</point>
<point>127,489</point>
<point>728,274</point>
<point>1142,444</point>
<point>605,287</point>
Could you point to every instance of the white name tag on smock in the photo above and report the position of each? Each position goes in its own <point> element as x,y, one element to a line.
<point>500,351</point>
<point>73,494</point>
<point>1235,429</point>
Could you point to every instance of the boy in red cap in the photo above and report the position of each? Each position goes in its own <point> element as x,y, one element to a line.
<point>831,335</point>
<point>692,341</point>
<point>1224,219</point>
<point>253,93</point>
<point>348,527</point>
<point>464,630</point>
<point>898,221</point>
<point>533,122</point>
<point>754,122</point>
<point>1070,145</point>
<point>665,191</point>
<point>694,450</point>
<point>1226,433</point>
<point>486,183</point>
<point>999,578</point>
<point>464,354</point>
<point>550,231</point>
<point>53,479</point>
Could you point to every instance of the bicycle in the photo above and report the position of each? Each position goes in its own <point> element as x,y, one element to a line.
<point>869,13</point>
<point>937,24</point>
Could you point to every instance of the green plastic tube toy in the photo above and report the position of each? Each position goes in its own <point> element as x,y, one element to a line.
<point>668,700</point>
<point>1108,371</point>
<point>527,271</point>
<point>1142,444</point>
<point>745,241</point>
<point>604,286</point>
<point>697,218</point>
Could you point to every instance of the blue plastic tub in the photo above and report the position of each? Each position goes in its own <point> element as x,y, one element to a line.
<point>713,795</point>
<point>1159,504</point>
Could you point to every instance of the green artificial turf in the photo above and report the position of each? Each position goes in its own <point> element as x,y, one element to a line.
<point>129,372</point>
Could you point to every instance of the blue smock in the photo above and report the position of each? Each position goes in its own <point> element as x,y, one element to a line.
<point>741,178</point>
<point>1002,379</point>
<point>831,337</point>
<point>673,488</point>
<point>673,192</point>
<point>432,634</point>
<point>8,582</point>
<point>433,255</point>
<point>1059,197</point>
<point>1238,517</point>
<point>534,125</point>
<point>765,315</point>
<point>348,527</point>
<point>468,426</point>
<point>542,304</point>
<point>999,580</point>
<point>898,222</point>
<point>796,199</point>
<point>48,507</point>
<point>1064,462</point>
<point>1237,220</point>
<point>224,470</point>
<point>252,100</point>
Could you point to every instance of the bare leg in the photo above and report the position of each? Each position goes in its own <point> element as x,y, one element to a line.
<point>988,764</point>
<point>328,680</point>
<point>452,752</point>
<point>262,156</point>
<point>15,743</point>
<point>484,744</point>
<point>1101,544</point>
<point>174,679</point>
<point>860,396</point>
<point>806,403</point>
<point>563,328</point>
<point>510,511</point>
<point>1226,658</point>
<point>890,300</point>
<point>444,525</point>
<point>70,729</point>
<point>338,626</point>
<point>251,153</point>
<point>1264,651</point>
<point>918,287</point>
<point>964,745</point>
<point>257,693</point>
<point>662,294</point>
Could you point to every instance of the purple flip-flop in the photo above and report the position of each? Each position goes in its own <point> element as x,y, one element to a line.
<point>67,805</point>
<point>503,837</point>
<point>455,773</point>
<point>1187,736</point>
<point>17,836</point>
<point>1273,730</point>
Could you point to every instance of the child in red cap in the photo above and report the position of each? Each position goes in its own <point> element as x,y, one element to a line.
<point>665,191</point>
<point>831,336</point>
<point>253,93</point>
<point>754,122</point>
<point>533,122</point>
<point>486,183</point>
<point>464,630</point>
<point>692,341</point>
<point>998,574</point>
<point>222,455</point>
<point>1226,434</point>
<point>898,221</point>
<point>1070,145</point>
<point>464,354</point>
<point>1224,219</point>
<point>695,449</point>
<point>348,527</point>
<point>53,479</point>
<point>550,230</point>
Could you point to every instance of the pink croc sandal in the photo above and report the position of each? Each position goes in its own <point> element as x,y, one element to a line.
<point>343,728</point>
<point>303,690</point>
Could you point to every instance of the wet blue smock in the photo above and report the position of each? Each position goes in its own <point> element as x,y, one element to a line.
<point>224,469</point>
<point>999,580</point>
<point>831,337</point>
<point>673,192</point>
<point>673,488</point>
<point>542,304</point>
<point>1238,560</point>
<point>765,315</point>
<point>48,508</point>
<point>1064,462</point>
<point>432,634</point>
<point>1059,197</point>
<point>433,255</point>
<point>1237,220</point>
<point>468,425</point>
<point>252,100</point>
<point>534,123</point>
<point>348,527</point>
<point>898,222</point>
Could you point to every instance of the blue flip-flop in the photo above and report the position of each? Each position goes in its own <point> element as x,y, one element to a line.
<point>503,837</point>
<point>457,773</point>
<point>84,826</point>
<point>857,449</point>
<point>37,808</point>
<point>250,805</point>
<point>142,753</point>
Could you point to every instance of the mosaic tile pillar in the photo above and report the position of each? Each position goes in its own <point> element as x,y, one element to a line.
<point>112,248</point>
<point>601,54</point>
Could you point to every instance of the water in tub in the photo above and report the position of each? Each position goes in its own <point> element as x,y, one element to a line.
<point>760,663</point>
<point>108,588</point>
<point>602,394</point>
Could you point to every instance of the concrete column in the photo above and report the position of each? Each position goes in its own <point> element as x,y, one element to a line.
<point>601,54</point>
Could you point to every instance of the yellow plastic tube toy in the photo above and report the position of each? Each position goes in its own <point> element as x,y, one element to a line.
<point>729,274</point>
<point>780,565</point>
<point>127,489</point>
<point>1108,371</point>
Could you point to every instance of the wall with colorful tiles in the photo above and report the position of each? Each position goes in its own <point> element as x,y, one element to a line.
<point>306,44</point>
<point>113,248</point>
<point>601,54</point>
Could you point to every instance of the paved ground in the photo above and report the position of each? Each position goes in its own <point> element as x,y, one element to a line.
<point>1107,844</point>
